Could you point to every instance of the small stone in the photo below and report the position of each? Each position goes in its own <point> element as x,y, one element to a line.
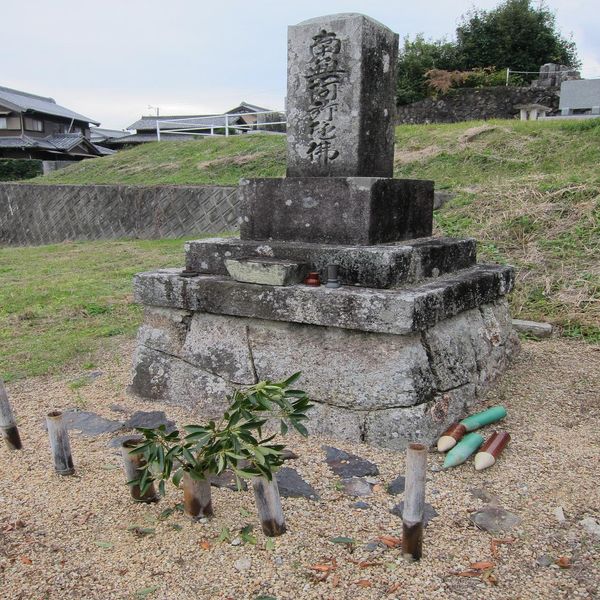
<point>357,486</point>
<point>428,512</point>
<point>227,480</point>
<point>149,419</point>
<point>236,541</point>
<point>397,486</point>
<point>374,545</point>
<point>117,408</point>
<point>361,505</point>
<point>287,454</point>
<point>348,465</point>
<point>291,485</point>
<point>89,423</point>
<point>372,480</point>
<point>559,514</point>
<point>544,560</point>
<point>243,564</point>
<point>494,518</point>
<point>591,526</point>
<point>278,560</point>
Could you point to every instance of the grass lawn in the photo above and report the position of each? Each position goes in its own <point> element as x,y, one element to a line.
<point>58,303</point>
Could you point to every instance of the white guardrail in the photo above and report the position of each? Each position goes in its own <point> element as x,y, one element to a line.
<point>194,125</point>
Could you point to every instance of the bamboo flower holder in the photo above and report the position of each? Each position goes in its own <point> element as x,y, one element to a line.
<point>197,501</point>
<point>491,450</point>
<point>8,424</point>
<point>132,463</point>
<point>268,504</point>
<point>414,501</point>
<point>59,443</point>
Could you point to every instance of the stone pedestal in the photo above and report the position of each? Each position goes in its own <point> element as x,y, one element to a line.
<point>417,329</point>
<point>336,210</point>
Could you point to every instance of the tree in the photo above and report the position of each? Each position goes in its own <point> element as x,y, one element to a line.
<point>415,59</point>
<point>515,34</point>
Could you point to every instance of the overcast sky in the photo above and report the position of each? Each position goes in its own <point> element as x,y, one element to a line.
<point>110,59</point>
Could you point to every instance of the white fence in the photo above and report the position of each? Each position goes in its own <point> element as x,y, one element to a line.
<point>218,125</point>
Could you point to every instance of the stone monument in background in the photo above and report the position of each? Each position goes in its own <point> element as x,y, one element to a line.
<point>416,331</point>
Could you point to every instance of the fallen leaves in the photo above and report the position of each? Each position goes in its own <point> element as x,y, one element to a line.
<point>564,562</point>
<point>18,524</point>
<point>390,541</point>
<point>482,569</point>
<point>106,545</point>
<point>205,545</point>
<point>393,588</point>
<point>25,560</point>
<point>364,583</point>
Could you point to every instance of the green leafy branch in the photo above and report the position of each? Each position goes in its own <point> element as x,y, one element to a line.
<point>235,442</point>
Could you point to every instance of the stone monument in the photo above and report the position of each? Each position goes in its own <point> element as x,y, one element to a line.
<point>417,328</point>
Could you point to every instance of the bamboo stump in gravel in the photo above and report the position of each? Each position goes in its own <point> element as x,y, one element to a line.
<point>59,443</point>
<point>268,504</point>
<point>414,501</point>
<point>8,424</point>
<point>197,501</point>
<point>132,463</point>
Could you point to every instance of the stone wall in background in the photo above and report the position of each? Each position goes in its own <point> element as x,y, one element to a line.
<point>45,214</point>
<point>469,104</point>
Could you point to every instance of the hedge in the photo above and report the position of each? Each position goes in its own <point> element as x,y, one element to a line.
<point>12,169</point>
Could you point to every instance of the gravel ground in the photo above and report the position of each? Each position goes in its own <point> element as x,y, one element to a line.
<point>71,537</point>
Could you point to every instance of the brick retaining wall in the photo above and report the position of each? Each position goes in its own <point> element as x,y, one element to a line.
<point>45,214</point>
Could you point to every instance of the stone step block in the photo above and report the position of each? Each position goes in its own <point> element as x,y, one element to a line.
<point>386,311</point>
<point>379,267</point>
<point>335,210</point>
<point>266,271</point>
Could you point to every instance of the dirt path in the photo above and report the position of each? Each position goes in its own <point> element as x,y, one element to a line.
<point>70,537</point>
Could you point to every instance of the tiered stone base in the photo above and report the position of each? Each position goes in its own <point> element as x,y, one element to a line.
<point>399,365</point>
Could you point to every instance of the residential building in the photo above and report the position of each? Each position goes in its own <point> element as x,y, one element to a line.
<point>34,126</point>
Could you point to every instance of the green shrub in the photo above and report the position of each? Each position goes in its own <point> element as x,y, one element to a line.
<point>13,169</point>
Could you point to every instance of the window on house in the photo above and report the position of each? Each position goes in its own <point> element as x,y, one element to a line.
<point>34,124</point>
<point>3,123</point>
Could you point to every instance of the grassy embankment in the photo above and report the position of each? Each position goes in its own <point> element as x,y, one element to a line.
<point>529,192</point>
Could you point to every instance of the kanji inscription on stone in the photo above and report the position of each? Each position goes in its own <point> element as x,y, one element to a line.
<point>341,97</point>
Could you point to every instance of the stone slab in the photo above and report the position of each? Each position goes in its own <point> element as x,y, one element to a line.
<point>266,271</point>
<point>385,311</point>
<point>348,465</point>
<point>341,97</point>
<point>540,330</point>
<point>335,210</point>
<point>379,267</point>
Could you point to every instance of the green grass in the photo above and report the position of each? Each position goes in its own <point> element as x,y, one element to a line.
<point>215,161</point>
<point>528,191</point>
<point>59,303</point>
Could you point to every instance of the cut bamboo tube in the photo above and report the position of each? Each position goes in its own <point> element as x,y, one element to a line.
<point>268,504</point>
<point>197,501</point>
<point>132,463</point>
<point>8,424</point>
<point>467,446</point>
<point>491,415</point>
<point>59,443</point>
<point>491,450</point>
<point>414,501</point>
<point>452,435</point>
